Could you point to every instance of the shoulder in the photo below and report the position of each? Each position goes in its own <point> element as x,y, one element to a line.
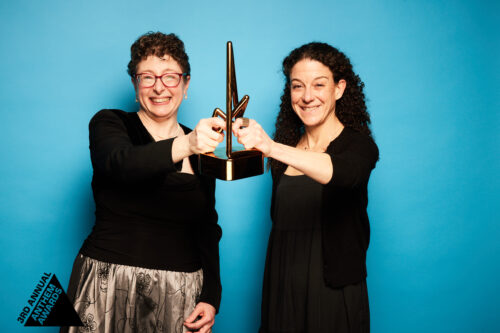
<point>354,141</point>
<point>110,122</point>
<point>114,118</point>
<point>111,114</point>
<point>362,139</point>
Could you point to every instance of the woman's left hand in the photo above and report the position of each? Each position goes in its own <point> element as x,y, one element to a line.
<point>206,314</point>
<point>253,136</point>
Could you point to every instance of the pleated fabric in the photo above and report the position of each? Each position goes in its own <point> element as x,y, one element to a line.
<point>295,298</point>
<point>119,298</point>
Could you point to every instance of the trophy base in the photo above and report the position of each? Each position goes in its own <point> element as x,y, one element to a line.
<point>242,164</point>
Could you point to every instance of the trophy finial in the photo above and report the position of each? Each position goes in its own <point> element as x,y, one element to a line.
<point>239,164</point>
<point>231,99</point>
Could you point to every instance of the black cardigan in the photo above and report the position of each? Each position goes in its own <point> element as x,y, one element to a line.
<point>344,223</point>
<point>148,214</point>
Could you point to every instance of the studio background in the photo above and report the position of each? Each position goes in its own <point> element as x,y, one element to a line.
<point>431,70</point>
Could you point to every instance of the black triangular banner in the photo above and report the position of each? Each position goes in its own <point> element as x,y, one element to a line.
<point>53,308</point>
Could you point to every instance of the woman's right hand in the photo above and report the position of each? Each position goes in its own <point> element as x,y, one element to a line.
<point>253,136</point>
<point>204,139</point>
<point>317,166</point>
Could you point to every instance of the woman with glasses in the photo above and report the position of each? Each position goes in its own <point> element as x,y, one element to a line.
<point>321,159</point>
<point>151,262</point>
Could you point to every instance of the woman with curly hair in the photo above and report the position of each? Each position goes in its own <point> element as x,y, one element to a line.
<point>151,262</point>
<point>321,159</point>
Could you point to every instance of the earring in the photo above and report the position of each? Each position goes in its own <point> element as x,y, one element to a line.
<point>186,96</point>
<point>136,99</point>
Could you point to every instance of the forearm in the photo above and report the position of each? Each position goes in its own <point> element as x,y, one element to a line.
<point>317,166</point>
<point>208,234</point>
<point>181,148</point>
<point>209,253</point>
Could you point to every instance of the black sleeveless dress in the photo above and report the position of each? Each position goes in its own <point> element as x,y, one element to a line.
<point>295,297</point>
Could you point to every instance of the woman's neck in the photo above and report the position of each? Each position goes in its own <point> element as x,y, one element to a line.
<point>317,138</point>
<point>160,130</point>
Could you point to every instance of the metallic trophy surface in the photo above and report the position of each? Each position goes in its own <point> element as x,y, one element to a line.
<point>231,165</point>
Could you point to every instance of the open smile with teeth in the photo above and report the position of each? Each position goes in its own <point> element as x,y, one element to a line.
<point>309,108</point>
<point>160,100</point>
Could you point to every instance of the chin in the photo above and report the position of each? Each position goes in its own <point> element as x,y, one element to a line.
<point>309,122</point>
<point>161,111</point>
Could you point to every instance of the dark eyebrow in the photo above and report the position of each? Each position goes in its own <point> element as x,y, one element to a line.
<point>316,78</point>
<point>166,71</point>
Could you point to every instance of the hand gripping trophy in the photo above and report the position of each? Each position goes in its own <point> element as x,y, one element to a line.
<point>233,164</point>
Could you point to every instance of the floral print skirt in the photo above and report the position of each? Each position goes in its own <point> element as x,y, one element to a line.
<point>119,298</point>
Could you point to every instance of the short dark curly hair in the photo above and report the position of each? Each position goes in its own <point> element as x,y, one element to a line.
<point>350,109</point>
<point>158,44</point>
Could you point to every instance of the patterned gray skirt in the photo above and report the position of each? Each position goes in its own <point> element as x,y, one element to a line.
<point>120,298</point>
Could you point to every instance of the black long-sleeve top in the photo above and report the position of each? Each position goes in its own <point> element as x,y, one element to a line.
<point>344,221</point>
<point>148,214</point>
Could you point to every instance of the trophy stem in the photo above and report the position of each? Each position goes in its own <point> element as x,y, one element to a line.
<point>239,164</point>
<point>229,99</point>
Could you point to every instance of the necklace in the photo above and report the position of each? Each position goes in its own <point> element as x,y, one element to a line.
<point>146,121</point>
<point>323,147</point>
<point>177,133</point>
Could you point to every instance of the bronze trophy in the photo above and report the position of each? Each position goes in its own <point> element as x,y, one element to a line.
<point>231,165</point>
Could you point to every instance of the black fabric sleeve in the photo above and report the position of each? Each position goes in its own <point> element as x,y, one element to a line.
<point>208,235</point>
<point>353,164</point>
<point>114,156</point>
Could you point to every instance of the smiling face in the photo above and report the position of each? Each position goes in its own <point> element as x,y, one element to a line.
<point>313,92</point>
<point>159,102</point>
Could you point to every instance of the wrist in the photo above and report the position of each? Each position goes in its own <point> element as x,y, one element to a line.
<point>190,148</point>
<point>273,147</point>
<point>181,148</point>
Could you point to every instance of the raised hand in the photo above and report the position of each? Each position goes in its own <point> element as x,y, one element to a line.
<point>253,136</point>
<point>204,139</point>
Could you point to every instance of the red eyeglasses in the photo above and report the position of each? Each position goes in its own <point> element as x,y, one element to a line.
<point>169,80</point>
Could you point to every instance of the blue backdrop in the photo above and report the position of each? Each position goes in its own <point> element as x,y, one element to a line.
<point>431,70</point>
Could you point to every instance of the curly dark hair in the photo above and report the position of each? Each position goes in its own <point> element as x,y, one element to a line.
<point>350,109</point>
<point>158,44</point>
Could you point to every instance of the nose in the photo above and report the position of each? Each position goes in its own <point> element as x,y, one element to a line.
<point>158,87</point>
<point>307,97</point>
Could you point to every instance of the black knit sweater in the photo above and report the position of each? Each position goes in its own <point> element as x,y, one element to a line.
<point>344,222</point>
<point>148,214</point>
